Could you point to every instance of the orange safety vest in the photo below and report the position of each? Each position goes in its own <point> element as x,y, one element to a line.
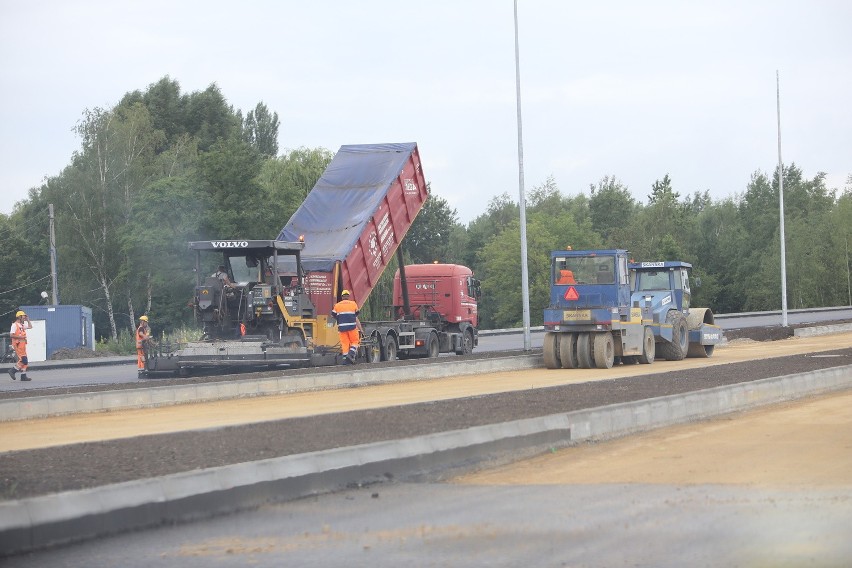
<point>141,336</point>
<point>21,330</point>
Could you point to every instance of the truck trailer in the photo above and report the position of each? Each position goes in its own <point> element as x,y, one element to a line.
<point>277,311</point>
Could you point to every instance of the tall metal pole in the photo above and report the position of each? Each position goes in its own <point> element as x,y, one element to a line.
<point>781,206</point>
<point>848,278</point>
<point>525,287</point>
<point>55,286</point>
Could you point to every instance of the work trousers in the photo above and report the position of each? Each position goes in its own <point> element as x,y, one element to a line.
<point>140,358</point>
<point>349,341</point>
<point>21,351</point>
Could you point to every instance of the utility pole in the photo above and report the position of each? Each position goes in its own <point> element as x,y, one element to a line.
<point>525,286</point>
<point>781,207</point>
<point>55,287</point>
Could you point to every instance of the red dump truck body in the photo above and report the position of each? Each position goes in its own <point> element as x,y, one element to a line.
<point>448,290</point>
<point>355,217</point>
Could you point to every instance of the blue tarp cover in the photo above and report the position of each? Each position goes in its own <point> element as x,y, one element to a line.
<point>344,199</point>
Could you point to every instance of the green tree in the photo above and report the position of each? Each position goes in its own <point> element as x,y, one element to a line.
<point>286,182</point>
<point>611,208</point>
<point>236,200</point>
<point>428,239</point>
<point>260,130</point>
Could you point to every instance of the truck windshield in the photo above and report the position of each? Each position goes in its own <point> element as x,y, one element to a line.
<point>584,270</point>
<point>245,269</point>
<point>657,280</point>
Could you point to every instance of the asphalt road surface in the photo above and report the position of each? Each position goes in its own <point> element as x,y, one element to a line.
<point>125,371</point>
<point>769,488</point>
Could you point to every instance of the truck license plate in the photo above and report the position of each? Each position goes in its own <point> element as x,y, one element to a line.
<point>570,315</point>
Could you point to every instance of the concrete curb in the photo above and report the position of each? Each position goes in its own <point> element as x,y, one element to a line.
<point>38,522</point>
<point>822,330</point>
<point>60,404</point>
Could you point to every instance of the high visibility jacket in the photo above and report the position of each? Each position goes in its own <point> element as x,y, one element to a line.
<point>19,329</point>
<point>142,335</point>
<point>566,277</point>
<point>345,312</point>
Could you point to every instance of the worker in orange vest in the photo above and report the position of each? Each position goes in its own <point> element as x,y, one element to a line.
<point>346,313</point>
<point>143,336</point>
<point>18,334</point>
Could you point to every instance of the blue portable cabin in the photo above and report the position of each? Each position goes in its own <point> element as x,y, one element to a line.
<point>66,327</point>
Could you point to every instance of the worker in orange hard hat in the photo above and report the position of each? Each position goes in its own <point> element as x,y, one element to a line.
<point>346,313</point>
<point>18,334</point>
<point>143,338</point>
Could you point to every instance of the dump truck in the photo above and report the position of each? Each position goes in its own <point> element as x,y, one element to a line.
<point>604,309</point>
<point>273,308</point>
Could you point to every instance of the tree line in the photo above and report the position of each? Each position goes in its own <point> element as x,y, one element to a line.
<point>162,168</point>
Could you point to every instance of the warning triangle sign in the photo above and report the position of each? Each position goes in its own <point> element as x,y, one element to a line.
<point>571,294</point>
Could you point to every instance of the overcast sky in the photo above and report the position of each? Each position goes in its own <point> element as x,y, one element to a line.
<point>624,88</point>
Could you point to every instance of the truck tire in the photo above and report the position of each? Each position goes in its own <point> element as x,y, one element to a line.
<point>584,350</point>
<point>434,348</point>
<point>568,351</point>
<point>373,348</point>
<point>676,350</point>
<point>603,350</point>
<point>648,347</point>
<point>550,350</point>
<point>466,343</point>
<point>389,348</point>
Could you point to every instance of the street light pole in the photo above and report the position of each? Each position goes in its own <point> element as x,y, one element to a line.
<point>525,287</point>
<point>781,207</point>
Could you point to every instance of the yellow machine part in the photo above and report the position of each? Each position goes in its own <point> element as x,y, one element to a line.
<point>319,331</point>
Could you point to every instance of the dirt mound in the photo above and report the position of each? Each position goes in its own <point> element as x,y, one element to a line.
<point>78,353</point>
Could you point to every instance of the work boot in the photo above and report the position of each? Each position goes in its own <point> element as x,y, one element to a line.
<point>12,371</point>
<point>24,377</point>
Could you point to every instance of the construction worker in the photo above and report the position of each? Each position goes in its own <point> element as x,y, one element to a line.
<point>346,313</point>
<point>222,274</point>
<point>143,336</point>
<point>18,334</point>
<point>566,277</point>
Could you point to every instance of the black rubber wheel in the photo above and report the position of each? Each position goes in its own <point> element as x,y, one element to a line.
<point>676,350</point>
<point>603,350</point>
<point>373,349</point>
<point>466,343</point>
<point>389,349</point>
<point>434,348</point>
<point>568,351</point>
<point>584,350</point>
<point>550,350</point>
<point>649,349</point>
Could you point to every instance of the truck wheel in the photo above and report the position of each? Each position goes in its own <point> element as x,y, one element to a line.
<point>551,350</point>
<point>466,343</point>
<point>373,348</point>
<point>568,351</point>
<point>676,350</point>
<point>584,350</point>
<point>648,347</point>
<point>389,349</point>
<point>604,350</point>
<point>434,348</point>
